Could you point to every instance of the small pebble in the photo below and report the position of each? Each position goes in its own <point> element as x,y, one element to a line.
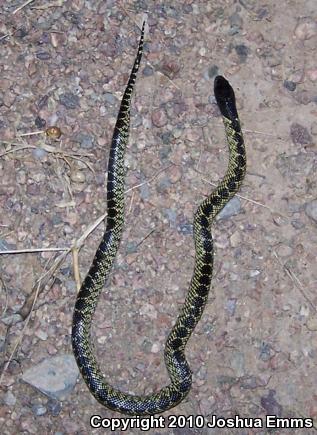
<point>185,229</point>
<point>170,68</point>
<point>148,71</point>
<point>313,128</point>
<point>311,209</point>
<point>236,23</point>
<point>237,363</point>
<point>304,97</point>
<point>21,32</point>
<point>86,141</point>
<point>54,407</point>
<point>249,382</point>
<point>213,71</point>
<point>39,410</point>
<point>164,184</point>
<point>289,85</point>
<point>242,51</point>
<point>78,176</point>
<point>300,134</point>
<point>306,29</point>
<point>235,239</point>
<point>110,99</point>
<point>284,250</point>
<point>42,335</point>
<point>171,216</point>
<point>254,273</point>
<point>312,74</point>
<point>177,133</point>
<point>148,310</point>
<point>39,122</point>
<point>42,102</point>
<point>69,100</point>
<point>43,55</point>
<point>206,405</point>
<point>232,208</point>
<point>231,306</point>
<point>265,352</point>
<point>159,117</point>
<point>21,177</point>
<point>304,311</point>
<point>166,139</point>
<point>312,323</point>
<point>175,174</point>
<point>270,404</point>
<point>155,348</point>
<point>9,398</point>
<point>297,224</point>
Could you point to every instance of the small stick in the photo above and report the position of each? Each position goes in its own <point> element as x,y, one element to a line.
<point>31,250</point>
<point>297,282</point>
<point>22,6</point>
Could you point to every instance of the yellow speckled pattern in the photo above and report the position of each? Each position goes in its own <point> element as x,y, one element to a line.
<point>196,298</point>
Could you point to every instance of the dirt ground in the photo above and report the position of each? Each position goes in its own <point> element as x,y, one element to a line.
<point>65,64</point>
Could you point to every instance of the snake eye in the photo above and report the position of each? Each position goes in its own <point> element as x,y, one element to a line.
<point>53,132</point>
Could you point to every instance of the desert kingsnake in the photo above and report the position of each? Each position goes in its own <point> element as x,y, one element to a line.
<point>196,298</point>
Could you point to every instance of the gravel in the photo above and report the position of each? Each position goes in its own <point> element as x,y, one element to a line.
<point>254,349</point>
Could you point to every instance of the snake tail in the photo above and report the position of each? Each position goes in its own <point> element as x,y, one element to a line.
<point>196,298</point>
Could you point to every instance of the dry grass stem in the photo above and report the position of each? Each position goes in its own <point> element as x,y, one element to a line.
<point>22,6</point>
<point>32,250</point>
<point>150,179</point>
<point>296,281</point>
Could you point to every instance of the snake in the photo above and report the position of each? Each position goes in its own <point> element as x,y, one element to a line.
<point>191,311</point>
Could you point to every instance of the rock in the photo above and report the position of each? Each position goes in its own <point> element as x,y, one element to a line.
<point>242,51</point>
<point>159,118</point>
<point>54,407</point>
<point>207,405</point>
<point>11,319</point>
<point>78,176</point>
<point>212,71</point>
<point>148,310</point>
<point>312,323</point>
<point>110,99</point>
<point>39,153</point>
<point>171,216</point>
<point>86,141</point>
<point>230,306</point>
<point>311,209</point>
<point>69,100</point>
<point>9,398</point>
<point>55,377</point>
<point>235,239</point>
<point>300,134</point>
<point>185,228</point>
<point>305,97</point>
<point>306,28</point>
<point>236,23</point>
<point>169,68</point>
<point>312,74</point>
<point>270,404</point>
<point>39,410</point>
<point>232,208</point>
<point>313,128</point>
<point>289,85</point>
<point>43,55</point>
<point>148,71</point>
<point>42,335</point>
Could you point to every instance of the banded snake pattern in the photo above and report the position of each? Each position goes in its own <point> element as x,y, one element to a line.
<point>178,369</point>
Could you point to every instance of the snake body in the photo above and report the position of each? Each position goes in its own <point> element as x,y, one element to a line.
<point>178,369</point>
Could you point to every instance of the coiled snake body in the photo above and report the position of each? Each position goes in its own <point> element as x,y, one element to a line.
<point>177,366</point>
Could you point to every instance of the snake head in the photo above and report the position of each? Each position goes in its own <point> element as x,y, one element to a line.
<point>225,98</point>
